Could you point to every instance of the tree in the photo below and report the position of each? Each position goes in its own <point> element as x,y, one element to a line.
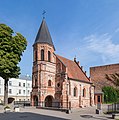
<point>114,78</point>
<point>11,50</point>
<point>110,94</point>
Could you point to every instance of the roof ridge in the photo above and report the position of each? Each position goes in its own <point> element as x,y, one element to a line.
<point>82,71</point>
<point>64,57</point>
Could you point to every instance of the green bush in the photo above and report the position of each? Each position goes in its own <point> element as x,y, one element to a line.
<point>111,94</point>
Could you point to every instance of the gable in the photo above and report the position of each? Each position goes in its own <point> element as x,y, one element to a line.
<point>74,71</point>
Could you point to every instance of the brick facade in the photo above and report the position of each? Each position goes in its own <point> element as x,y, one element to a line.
<point>97,75</point>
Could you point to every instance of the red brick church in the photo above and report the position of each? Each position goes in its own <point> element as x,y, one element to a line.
<point>56,80</point>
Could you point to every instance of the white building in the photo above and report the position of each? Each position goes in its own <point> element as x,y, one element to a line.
<point>18,89</point>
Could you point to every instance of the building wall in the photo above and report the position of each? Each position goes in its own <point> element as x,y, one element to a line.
<point>65,91</point>
<point>19,89</point>
<point>97,75</point>
<point>79,100</point>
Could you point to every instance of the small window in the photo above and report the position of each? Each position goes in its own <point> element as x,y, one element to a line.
<point>49,82</point>
<point>75,91</point>
<point>23,84</point>
<point>23,91</point>
<point>28,85</point>
<point>42,55</point>
<point>28,91</point>
<point>49,56</point>
<point>10,91</point>
<point>19,83</point>
<point>84,92</point>
<point>19,91</point>
<point>19,99</point>
<point>58,84</point>
<point>10,83</point>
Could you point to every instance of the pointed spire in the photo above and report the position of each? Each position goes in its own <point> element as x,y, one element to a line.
<point>43,35</point>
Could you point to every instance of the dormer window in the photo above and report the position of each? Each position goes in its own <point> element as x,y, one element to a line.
<point>42,55</point>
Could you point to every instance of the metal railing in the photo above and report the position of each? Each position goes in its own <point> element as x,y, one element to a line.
<point>55,105</point>
<point>113,107</point>
<point>22,103</point>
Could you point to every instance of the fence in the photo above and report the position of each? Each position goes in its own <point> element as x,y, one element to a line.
<point>55,105</point>
<point>22,103</point>
<point>113,107</point>
<point>48,104</point>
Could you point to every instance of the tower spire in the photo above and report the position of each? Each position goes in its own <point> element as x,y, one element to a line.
<point>43,35</point>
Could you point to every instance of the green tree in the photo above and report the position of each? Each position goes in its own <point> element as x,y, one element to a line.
<point>114,78</point>
<point>110,94</point>
<point>11,49</point>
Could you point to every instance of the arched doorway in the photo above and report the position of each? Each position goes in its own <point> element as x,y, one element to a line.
<point>48,101</point>
<point>10,100</point>
<point>35,99</point>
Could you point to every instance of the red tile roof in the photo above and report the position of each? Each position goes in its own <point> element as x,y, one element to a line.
<point>74,70</point>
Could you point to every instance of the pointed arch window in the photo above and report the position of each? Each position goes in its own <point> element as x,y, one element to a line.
<point>36,82</point>
<point>84,92</point>
<point>75,91</point>
<point>35,55</point>
<point>49,82</point>
<point>49,56</point>
<point>42,55</point>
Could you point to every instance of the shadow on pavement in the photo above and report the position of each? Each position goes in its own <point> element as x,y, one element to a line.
<point>27,116</point>
<point>95,118</point>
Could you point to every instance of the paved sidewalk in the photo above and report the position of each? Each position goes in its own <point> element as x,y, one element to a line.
<point>31,113</point>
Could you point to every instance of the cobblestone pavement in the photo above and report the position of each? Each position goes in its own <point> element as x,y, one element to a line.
<point>31,113</point>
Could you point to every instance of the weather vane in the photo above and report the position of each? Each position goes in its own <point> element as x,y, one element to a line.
<point>43,14</point>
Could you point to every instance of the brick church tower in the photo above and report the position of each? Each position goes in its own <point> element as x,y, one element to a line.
<point>44,68</point>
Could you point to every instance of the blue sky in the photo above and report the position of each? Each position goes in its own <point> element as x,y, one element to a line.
<point>87,29</point>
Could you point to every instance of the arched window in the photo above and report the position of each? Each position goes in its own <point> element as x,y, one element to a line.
<point>84,92</point>
<point>75,91</point>
<point>49,56</point>
<point>49,82</point>
<point>42,55</point>
<point>36,82</point>
<point>35,56</point>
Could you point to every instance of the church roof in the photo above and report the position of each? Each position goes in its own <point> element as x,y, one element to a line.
<point>43,35</point>
<point>74,70</point>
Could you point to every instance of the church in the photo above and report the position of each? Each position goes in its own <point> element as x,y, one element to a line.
<point>57,81</point>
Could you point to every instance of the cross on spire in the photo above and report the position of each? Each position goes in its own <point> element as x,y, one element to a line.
<point>43,14</point>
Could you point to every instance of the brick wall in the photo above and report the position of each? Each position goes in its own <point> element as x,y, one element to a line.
<point>97,75</point>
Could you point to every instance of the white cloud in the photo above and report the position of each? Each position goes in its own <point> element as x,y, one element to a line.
<point>104,46</point>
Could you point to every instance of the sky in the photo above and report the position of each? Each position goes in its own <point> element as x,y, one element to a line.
<point>87,29</point>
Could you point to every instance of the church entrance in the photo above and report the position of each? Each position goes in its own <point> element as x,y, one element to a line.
<point>35,100</point>
<point>48,101</point>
